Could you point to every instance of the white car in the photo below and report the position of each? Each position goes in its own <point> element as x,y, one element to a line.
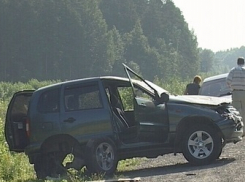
<point>215,86</point>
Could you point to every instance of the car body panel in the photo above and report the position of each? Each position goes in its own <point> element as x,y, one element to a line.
<point>198,99</point>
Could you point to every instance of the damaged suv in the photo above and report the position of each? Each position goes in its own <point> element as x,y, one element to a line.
<point>102,120</point>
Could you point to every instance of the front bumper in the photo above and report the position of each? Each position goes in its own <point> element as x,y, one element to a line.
<point>232,129</point>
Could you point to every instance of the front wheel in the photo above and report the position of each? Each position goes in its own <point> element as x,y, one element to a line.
<point>201,145</point>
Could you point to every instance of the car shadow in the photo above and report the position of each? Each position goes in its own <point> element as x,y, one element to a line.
<point>175,168</point>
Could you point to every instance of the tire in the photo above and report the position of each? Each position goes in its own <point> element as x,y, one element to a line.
<point>101,156</point>
<point>201,145</point>
<point>49,165</point>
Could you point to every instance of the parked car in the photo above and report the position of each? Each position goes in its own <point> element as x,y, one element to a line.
<point>102,120</point>
<point>216,86</point>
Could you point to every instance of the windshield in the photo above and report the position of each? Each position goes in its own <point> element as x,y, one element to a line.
<point>215,88</point>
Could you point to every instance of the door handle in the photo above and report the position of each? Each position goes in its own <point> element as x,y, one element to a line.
<point>69,120</point>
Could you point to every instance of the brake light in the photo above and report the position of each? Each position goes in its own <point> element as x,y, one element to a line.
<point>28,127</point>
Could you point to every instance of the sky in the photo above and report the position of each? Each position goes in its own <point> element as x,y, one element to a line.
<point>218,24</point>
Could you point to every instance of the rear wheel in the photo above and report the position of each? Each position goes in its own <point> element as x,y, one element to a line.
<point>101,156</point>
<point>201,145</point>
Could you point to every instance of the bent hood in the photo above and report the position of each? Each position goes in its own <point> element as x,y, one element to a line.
<point>199,99</point>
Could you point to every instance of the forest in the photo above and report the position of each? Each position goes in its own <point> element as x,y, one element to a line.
<point>69,39</point>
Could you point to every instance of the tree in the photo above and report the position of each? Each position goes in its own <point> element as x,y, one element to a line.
<point>137,50</point>
<point>68,39</point>
<point>207,60</point>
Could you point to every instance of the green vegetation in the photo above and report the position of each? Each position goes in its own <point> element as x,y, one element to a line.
<point>67,39</point>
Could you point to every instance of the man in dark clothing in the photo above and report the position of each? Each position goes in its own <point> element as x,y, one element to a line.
<point>193,88</point>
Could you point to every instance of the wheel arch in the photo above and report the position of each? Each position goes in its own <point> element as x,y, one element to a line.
<point>91,140</point>
<point>59,142</point>
<point>186,123</point>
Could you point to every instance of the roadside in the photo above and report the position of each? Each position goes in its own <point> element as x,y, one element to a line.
<point>229,167</point>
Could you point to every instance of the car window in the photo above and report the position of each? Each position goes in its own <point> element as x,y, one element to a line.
<point>49,101</point>
<point>126,95</point>
<point>143,94</point>
<point>215,88</point>
<point>20,104</point>
<point>82,97</point>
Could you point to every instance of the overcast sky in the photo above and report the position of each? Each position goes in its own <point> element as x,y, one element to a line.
<point>218,24</point>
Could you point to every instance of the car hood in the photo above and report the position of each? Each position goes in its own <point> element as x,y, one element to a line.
<point>199,99</point>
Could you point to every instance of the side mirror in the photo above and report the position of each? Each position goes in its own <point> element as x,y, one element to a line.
<point>164,97</point>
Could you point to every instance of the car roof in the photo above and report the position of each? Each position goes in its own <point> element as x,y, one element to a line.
<point>89,79</point>
<point>216,77</point>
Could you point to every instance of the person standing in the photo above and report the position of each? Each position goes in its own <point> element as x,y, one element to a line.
<point>236,81</point>
<point>193,88</point>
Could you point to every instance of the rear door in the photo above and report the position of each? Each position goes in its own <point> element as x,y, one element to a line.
<point>15,124</point>
<point>84,113</point>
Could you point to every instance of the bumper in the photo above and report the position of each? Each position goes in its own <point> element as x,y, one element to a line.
<point>235,137</point>
<point>232,130</point>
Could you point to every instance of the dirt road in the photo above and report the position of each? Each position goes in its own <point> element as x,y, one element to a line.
<point>230,167</point>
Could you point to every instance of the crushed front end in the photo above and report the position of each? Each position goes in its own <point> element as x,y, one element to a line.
<point>231,123</point>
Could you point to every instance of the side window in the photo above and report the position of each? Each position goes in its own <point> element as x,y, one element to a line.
<point>142,94</point>
<point>82,97</point>
<point>126,95</point>
<point>49,101</point>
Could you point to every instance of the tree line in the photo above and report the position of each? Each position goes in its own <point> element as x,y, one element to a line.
<point>69,39</point>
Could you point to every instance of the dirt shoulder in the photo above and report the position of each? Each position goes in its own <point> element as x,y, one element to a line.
<point>230,167</point>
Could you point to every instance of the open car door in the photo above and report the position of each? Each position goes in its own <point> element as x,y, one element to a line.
<point>149,110</point>
<point>16,118</point>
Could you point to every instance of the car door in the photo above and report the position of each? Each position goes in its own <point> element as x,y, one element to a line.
<point>152,115</point>
<point>84,113</point>
<point>16,118</point>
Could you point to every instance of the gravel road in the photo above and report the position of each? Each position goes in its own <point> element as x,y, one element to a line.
<point>228,168</point>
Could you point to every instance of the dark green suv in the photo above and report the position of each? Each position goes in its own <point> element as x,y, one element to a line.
<point>99,121</point>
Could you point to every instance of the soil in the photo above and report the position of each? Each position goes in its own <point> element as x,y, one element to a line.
<point>228,168</point>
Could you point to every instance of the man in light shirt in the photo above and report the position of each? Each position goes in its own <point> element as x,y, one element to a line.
<point>236,80</point>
